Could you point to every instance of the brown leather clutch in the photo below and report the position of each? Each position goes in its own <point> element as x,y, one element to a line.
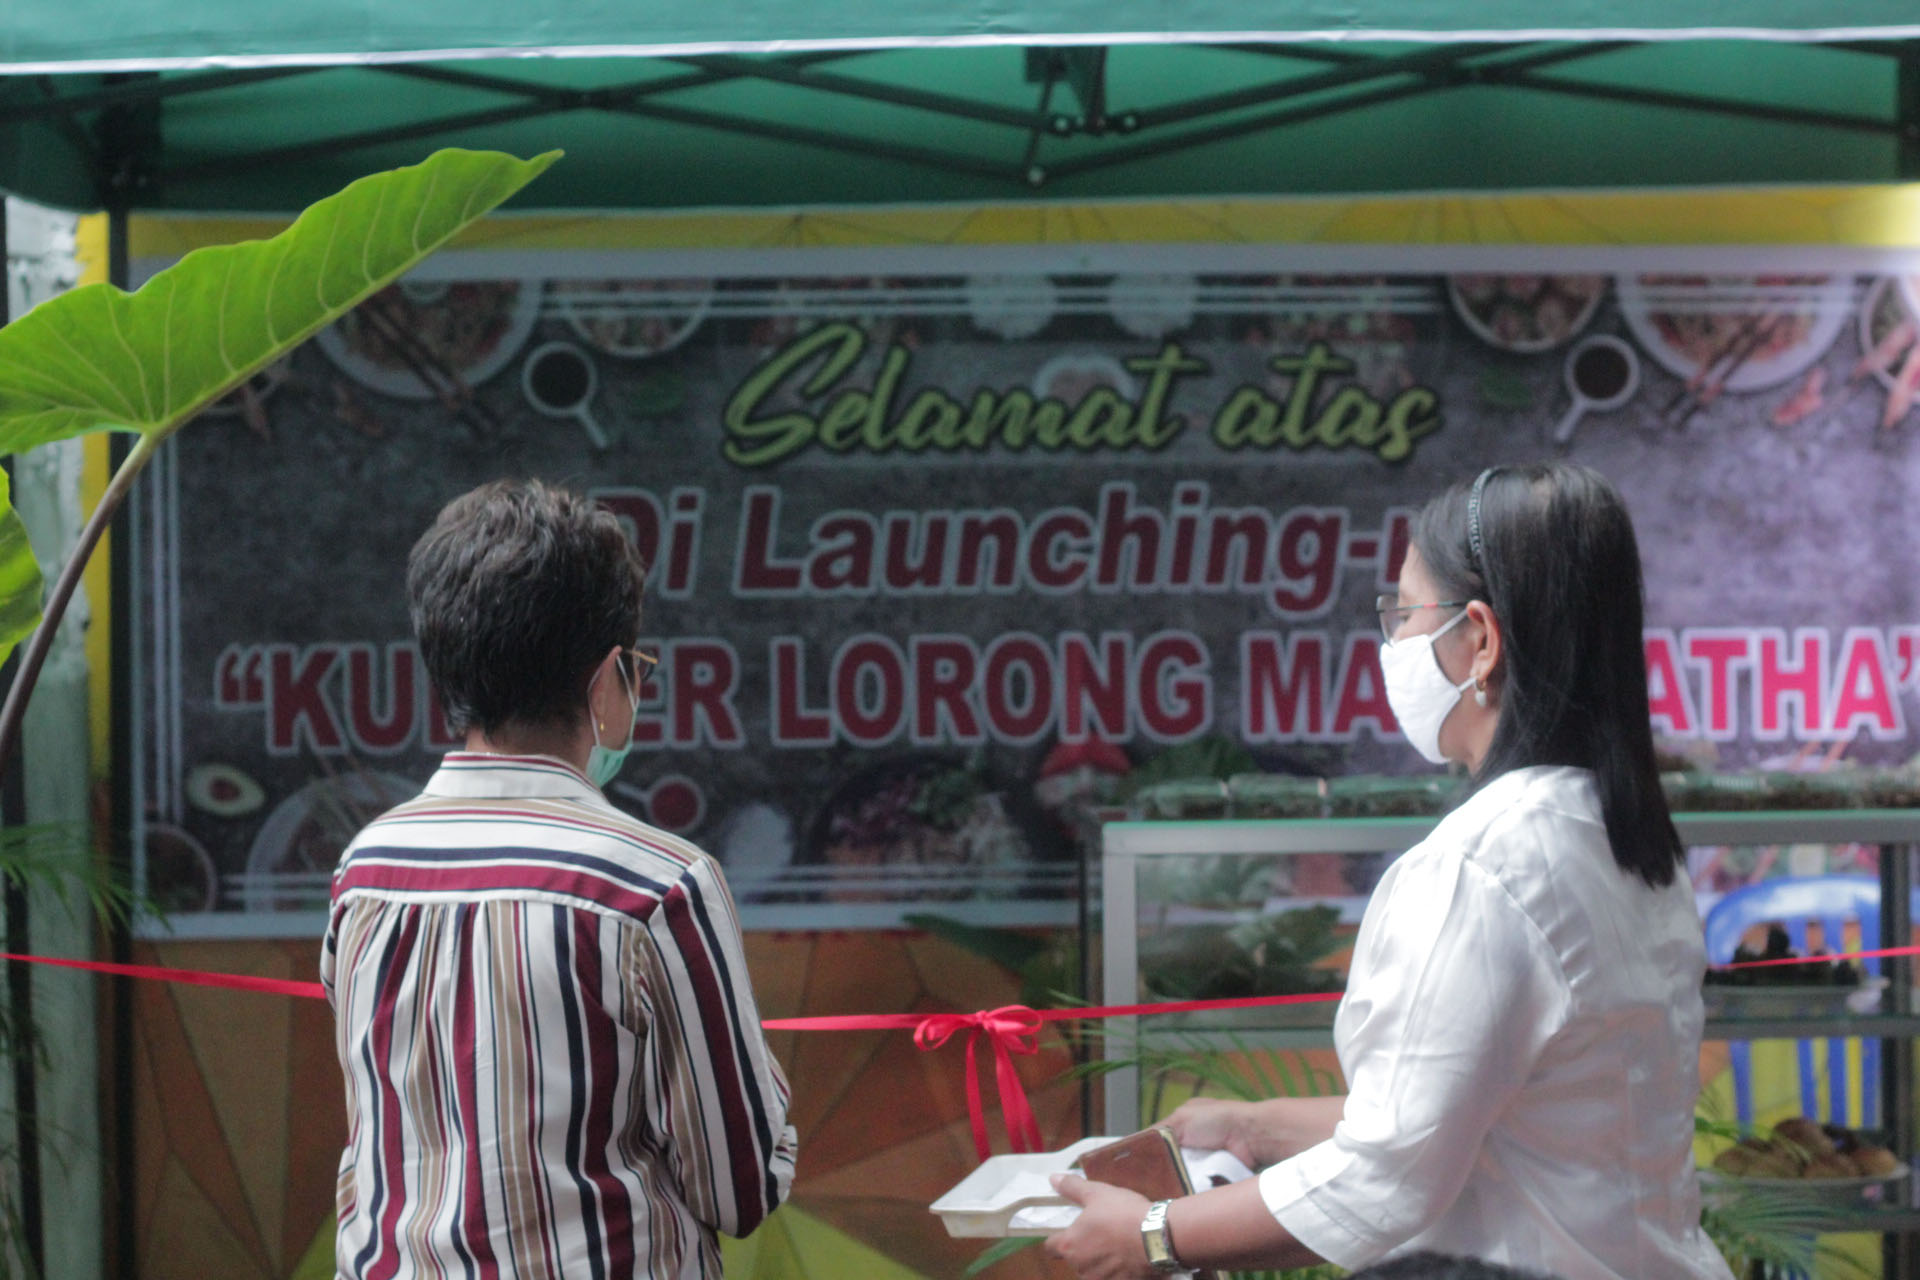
<point>1147,1162</point>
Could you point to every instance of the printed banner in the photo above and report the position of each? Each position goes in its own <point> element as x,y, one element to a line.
<point>945,566</point>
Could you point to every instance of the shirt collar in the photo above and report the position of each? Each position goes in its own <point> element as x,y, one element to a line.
<point>1568,783</point>
<point>475,775</point>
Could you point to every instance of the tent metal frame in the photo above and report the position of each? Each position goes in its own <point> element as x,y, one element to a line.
<point>113,126</point>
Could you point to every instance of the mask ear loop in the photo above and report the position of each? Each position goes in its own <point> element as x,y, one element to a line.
<point>626,685</point>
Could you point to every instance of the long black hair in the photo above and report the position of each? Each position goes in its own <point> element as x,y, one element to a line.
<point>1557,562</point>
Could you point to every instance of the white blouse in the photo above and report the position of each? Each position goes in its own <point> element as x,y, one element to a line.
<point>1521,1040</point>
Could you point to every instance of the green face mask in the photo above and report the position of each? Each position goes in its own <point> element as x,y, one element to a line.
<point>604,763</point>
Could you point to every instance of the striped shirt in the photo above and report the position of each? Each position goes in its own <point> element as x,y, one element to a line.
<point>554,1064</point>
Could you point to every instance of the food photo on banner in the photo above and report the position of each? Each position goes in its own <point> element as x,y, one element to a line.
<point>946,569</point>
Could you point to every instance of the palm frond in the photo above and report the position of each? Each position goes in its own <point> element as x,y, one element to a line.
<point>999,1251</point>
<point>58,858</point>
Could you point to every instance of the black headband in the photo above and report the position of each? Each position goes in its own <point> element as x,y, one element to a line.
<point>1474,544</point>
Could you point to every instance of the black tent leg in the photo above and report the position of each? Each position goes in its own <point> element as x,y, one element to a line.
<point>119,836</point>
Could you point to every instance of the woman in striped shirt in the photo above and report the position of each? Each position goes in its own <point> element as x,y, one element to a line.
<point>553,1059</point>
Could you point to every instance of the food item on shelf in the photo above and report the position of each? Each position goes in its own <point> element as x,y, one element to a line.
<point>1688,790</point>
<point>1807,1134</point>
<point>1366,796</point>
<point>1275,795</point>
<point>1713,792</point>
<point>1891,788</point>
<point>1774,789</point>
<point>1281,796</point>
<point>1526,313</point>
<point>1833,789</point>
<point>1184,798</point>
<point>1875,1161</point>
<point>1805,1149</point>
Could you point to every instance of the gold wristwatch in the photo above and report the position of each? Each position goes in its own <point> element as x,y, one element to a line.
<point>1153,1233</point>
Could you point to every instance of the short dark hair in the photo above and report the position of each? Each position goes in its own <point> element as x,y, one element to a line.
<point>516,593</point>
<point>1558,564</point>
<point>1427,1265</point>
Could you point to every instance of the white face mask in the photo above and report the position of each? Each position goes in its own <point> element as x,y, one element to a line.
<point>1418,690</point>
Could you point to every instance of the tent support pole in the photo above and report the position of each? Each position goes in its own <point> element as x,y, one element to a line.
<point>852,87</point>
<point>956,161</point>
<point>1569,53</point>
<point>536,102</point>
<point>574,98</point>
<point>1167,142</point>
<point>354,141</point>
<point>142,92</point>
<point>1688,102</point>
<point>1907,112</point>
<point>122,1195</point>
<point>1421,62</point>
<point>69,127</point>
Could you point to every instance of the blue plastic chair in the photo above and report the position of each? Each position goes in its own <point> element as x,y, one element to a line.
<point>1792,903</point>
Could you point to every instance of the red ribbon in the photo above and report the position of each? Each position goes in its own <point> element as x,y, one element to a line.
<point>187,977</point>
<point>1010,1029</point>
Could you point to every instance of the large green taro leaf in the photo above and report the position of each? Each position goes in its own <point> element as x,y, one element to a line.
<point>100,358</point>
<point>20,584</point>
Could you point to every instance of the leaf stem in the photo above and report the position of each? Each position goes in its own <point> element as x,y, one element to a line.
<point>13,715</point>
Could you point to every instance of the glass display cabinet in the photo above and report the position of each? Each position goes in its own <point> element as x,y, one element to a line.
<point>1204,907</point>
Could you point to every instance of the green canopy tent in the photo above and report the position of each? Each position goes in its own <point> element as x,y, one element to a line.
<point>748,102</point>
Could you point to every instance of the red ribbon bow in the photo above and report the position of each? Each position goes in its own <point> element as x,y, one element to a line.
<point>1011,1029</point>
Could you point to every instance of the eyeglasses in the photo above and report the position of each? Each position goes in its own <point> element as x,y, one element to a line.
<point>1394,615</point>
<point>634,658</point>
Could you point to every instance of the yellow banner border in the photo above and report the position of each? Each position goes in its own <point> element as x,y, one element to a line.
<point>1864,217</point>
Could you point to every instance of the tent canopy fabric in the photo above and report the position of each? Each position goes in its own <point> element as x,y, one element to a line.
<point>120,35</point>
<point>1473,97</point>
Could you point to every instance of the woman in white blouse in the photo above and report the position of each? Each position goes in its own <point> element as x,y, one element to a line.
<point>1521,1030</point>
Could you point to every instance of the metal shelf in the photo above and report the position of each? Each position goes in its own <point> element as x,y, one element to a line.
<point>1882,1026</point>
<point>1241,1028</point>
<point>1375,835</point>
<point>1248,1025</point>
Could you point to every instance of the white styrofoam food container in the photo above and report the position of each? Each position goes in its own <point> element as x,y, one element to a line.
<point>984,1202</point>
<point>1012,1196</point>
